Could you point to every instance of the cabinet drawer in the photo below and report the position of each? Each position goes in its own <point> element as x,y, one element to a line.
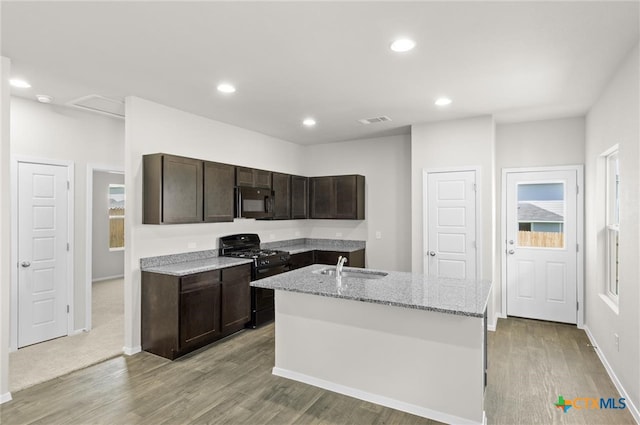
<point>199,280</point>
<point>237,273</point>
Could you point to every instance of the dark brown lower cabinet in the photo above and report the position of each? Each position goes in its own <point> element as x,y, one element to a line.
<point>303,259</point>
<point>354,258</point>
<point>199,316</point>
<point>236,296</point>
<point>300,260</point>
<point>183,313</point>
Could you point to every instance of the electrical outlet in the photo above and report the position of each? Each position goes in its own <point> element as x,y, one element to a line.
<point>378,235</point>
<point>616,340</point>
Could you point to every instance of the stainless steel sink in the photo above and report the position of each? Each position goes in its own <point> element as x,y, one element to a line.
<point>364,274</point>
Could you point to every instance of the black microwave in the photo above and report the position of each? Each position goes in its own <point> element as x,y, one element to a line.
<point>253,202</point>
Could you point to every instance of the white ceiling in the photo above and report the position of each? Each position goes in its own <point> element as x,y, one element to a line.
<point>330,60</point>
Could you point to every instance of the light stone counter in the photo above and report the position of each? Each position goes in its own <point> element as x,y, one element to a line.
<point>189,263</point>
<point>296,246</point>
<point>410,290</point>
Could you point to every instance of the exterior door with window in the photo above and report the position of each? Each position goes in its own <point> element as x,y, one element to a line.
<point>451,224</point>
<point>541,245</point>
<point>42,252</point>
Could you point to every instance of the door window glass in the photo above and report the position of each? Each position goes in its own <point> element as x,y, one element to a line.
<point>541,212</point>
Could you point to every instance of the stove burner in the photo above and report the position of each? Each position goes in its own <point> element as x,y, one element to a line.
<point>255,253</point>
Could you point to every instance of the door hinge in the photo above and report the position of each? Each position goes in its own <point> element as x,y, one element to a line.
<point>577,305</point>
<point>67,308</point>
<point>67,246</point>
<point>577,247</point>
<point>68,185</point>
<point>475,188</point>
<point>577,190</point>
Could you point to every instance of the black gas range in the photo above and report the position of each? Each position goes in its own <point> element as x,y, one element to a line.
<point>266,262</point>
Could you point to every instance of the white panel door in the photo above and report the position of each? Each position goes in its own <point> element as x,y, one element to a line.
<point>42,252</point>
<point>451,224</point>
<point>541,245</point>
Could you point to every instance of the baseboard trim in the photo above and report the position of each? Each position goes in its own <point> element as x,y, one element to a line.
<point>376,399</point>
<point>130,351</point>
<point>632,407</point>
<point>491,326</point>
<point>120,276</point>
<point>77,331</point>
<point>5,398</point>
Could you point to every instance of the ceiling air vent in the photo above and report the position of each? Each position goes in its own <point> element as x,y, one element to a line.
<point>99,104</point>
<point>374,120</point>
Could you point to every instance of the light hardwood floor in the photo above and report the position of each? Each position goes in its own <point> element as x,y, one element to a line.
<point>230,382</point>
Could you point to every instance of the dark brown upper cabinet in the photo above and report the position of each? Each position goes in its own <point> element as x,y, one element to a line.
<point>252,177</point>
<point>219,181</point>
<point>299,197</point>
<point>172,188</point>
<point>281,187</point>
<point>337,197</point>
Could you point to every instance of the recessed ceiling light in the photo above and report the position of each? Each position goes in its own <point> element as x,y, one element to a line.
<point>21,84</point>
<point>43,98</point>
<point>402,45</point>
<point>309,122</point>
<point>443,101</point>
<point>226,88</point>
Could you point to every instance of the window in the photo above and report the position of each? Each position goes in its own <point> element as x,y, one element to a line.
<point>612,214</point>
<point>541,212</point>
<point>116,216</point>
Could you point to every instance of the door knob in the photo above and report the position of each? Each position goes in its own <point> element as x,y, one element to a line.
<point>432,253</point>
<point>511,242</point>
<point>511,251</point>
<point>25,264</point>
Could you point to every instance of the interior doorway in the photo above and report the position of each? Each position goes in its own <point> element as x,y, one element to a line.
<point>105,242</point>
<point>542,225</point>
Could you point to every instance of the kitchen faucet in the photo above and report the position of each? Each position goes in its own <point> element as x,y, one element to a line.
<point>341,261</point>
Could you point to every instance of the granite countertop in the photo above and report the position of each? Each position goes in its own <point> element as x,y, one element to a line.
<point>410,290</point>
<point>184,268</point>
<point>297,246</point>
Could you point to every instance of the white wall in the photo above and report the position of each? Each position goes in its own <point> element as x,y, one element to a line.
<point>532,144</point>
<point>152,128</point>
<point>105,263</point>
<point>5,229</point>
<point>614,119</point>
<point>459,143</point>
<point>57,132</point>
<point>385,163</point>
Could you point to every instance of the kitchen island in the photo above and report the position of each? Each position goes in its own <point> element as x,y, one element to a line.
<point>401,340</point>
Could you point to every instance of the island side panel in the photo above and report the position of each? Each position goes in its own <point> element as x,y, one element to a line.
<point>422,362</point>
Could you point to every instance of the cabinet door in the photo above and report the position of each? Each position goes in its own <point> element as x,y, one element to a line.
<point>262,178</point>
<point>218,191</point>
<point>199,315</point>
<point>345,197</point>
<point>299,197</point>
<point>322,198</point>
<point>251,177</point>
<point>181,190</point>
<point>329,257</point>
<point>236,298</point>
<point>354,258</point>
<point>282,196</point>
<point>300,260</point>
